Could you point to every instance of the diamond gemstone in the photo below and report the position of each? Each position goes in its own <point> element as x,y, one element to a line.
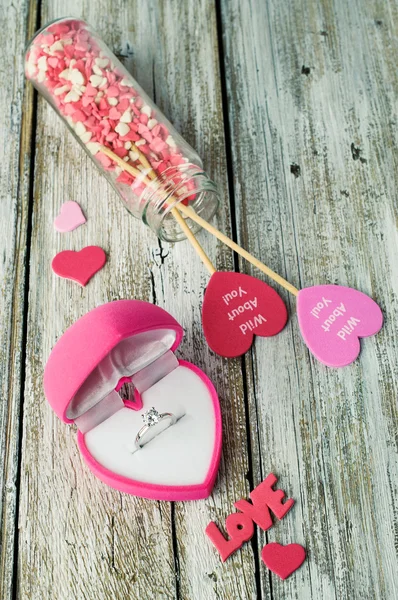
<point>151,417</point>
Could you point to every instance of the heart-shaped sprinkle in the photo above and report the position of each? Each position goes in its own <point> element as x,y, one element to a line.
<point>283,560</point>
<point>79,266</point>
<point>332,318</point>
<point>235,308</point>
<point>70,217</point>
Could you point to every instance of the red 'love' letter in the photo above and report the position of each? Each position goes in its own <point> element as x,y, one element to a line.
<point>240,528</point>
<point>263,498</point>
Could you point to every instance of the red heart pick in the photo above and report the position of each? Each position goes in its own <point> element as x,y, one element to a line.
<point>235,308</point>
<point>79,266</point>
<point>283,560</point>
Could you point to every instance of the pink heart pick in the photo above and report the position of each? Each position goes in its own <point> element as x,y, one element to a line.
<point>283,560</point>
<point>79,266</point>
<point>332,318</point>
<point>70,217</point>
<point>236,307</point>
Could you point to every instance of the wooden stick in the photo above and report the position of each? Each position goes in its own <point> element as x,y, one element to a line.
<point>176,214</point>
<point>194,242</point>
<point>189,212</point>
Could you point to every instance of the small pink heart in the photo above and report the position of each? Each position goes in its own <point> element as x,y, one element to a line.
<point>79,266</point>
<point>283,560</point>
<point>114,114</point>
<point>70,217</point>
<point>332,318</point>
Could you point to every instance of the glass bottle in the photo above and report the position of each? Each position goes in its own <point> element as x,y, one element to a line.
<point>104,107</point>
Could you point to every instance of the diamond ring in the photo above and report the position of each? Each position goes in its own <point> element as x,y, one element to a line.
<point>153,418</point>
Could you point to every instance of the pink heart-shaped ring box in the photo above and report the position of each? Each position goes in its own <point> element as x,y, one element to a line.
<point>131,340</point>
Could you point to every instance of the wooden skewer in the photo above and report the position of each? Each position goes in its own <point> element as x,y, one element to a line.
<point>189,212</point>
<point>176,214</point>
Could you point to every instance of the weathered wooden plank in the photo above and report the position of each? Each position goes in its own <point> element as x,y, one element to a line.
<point>312,91</point>
<point>79,539</point>
<point>15,128</point>
<point>190,69</point>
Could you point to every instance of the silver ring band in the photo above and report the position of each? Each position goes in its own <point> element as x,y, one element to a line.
<point>152,418</point>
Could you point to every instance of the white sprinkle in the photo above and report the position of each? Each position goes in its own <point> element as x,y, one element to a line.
<point>30,68</point>
<point>122,129</point>
<point>100,94</point>
<point>134,156</point>
<point>146,110</point>
<point>126,83</point>
<point>126,159</point>
<point>140,143</point>
<point>42,63</point>
<point>61,90</point>
<point>127,145</point>
<point>78,90</point>
<point>76,77</point>
<point>113,101</point>
<point>101,62</point>
<point>73,96</point>
<point>93,147</point>
<point>41,76</point>
<point>104,83</point>
<point>152,123</point>
<point>65,74</point>
<point>56,46</point>
<point>86,137</point>
<point>170,141</point>
<point>72,63</point>
<point>80,129</point>
<point>97,70</point>
<point>95,80</point>
<point>126,117</point>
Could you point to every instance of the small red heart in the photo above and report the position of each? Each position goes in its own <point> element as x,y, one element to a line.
<point>283,560</point>
<point>79,266</point>
<point>235,308</point>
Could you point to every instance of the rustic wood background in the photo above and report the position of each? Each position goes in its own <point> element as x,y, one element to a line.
<point>293,106</point>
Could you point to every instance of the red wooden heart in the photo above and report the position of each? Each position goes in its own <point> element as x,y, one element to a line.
<point>283,560</point>
<point>235,308</point>
<point>79,266</point>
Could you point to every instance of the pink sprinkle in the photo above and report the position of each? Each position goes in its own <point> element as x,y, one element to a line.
<point>112,91</point>
<point>69,109</point>
<point>79,115</point>
<point>147,136</point>
<point>125,177</point>
<point>53,62</point>
<point>121,151</point>
<point>103,105</point>
<point>144,118</point>
<point>111,136</point>
<point>132,137</point>
<point>114,114</point>
<point>123,105</point>
<point>86,101</point>
<point>103,159</point>
<point>69,50</point>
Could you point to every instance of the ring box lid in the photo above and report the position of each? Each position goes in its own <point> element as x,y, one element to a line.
<point>90,348</point>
